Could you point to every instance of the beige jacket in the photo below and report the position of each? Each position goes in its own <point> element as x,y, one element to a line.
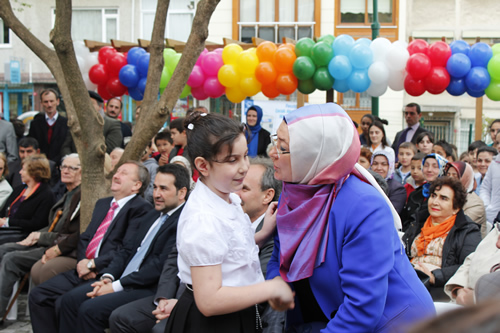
<point>474,208</point>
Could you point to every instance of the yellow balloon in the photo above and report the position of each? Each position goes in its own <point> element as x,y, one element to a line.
<point>230,53</point>
<point>235,95</point>
<point>250,85</point>
<point>228,76</point>
<point>247,62</point>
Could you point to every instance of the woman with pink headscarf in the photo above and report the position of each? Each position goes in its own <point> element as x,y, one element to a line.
<point>474,206</point>
<point>337,243</point>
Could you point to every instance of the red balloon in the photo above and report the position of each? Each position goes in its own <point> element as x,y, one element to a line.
<point>199,93</point>
<point>103,92</point>
<point>437,81</point>
<point>418,46</point>
<point>414,87</point>
<point>270,90</point>
<point>105,53</point>
<point>439,53</point>
<point>98,74</point>
<point>286,83</point>
<point>115,63</point>
<point>418,65</point>
<point>115,88</point>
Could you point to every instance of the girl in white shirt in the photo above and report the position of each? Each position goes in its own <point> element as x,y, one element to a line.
<point>378,139</point>
<point>218,257</point>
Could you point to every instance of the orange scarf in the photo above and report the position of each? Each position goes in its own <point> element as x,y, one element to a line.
<point>430,232</point>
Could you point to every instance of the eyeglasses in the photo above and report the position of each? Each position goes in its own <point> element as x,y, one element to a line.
<point>274,141</point>
<point>69,168</point>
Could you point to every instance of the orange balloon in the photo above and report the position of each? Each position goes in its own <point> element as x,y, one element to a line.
<point>270,91</point>
<point>265,51</point>
<point>235,95</point>
<point>266,73</point>
<point>283,60</point>
<point>288,45</point>
<point>286,83</point>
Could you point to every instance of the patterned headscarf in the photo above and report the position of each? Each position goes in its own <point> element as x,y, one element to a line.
<point>389,155</point>
<point>465,172</point>
<point>441,164</point>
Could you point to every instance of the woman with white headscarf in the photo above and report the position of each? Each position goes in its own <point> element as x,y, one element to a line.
<point>383,163</point>
<point>336,240</point>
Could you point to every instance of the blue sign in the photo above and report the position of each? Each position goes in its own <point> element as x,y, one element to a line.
<point>15,71</point>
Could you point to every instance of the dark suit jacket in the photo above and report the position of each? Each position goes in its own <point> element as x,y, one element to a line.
<point>32,214</point>
<point>266,251</point>
<point>150,269</point>
<point>264,141</point>
<point>169,281</point>
<point>419,130</point>
<point>39,130</point>
<point>125,222</point>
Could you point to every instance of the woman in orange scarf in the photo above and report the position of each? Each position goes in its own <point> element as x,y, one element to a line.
<point>439,245</point>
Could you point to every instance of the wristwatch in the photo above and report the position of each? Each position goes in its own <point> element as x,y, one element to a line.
<point>90,264</point>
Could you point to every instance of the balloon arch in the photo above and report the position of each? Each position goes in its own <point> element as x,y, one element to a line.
<point>340,63</point>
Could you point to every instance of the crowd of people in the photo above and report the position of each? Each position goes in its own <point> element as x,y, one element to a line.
<point>222,227</point>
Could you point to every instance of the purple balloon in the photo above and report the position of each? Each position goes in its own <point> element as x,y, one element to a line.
<point>211,63</point>
<point>196,78</point>
<point>213,88</point>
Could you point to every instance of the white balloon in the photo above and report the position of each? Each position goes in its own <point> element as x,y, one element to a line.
<point>376,90</point>
<point>80,48</point>
<point>81,63</point>
<point>90,60</point>
<point>400,43</point>
<point>396,57</point>
<point>378,72</point>
<point>88,83</point>
<point>380,46</point>
<point>396,80</point>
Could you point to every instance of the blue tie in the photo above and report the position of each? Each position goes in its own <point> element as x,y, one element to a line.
<point>136,261</point>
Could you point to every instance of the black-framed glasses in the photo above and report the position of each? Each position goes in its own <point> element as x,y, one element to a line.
<point>274,141</point>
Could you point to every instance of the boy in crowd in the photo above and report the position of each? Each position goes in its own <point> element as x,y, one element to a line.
<point>365,158</point>
<point>485,156</point>
<point>444,149</point>
<point>179,138</point>
<point>417,177</point>
<point>405,153</point>
<point>472,150</point>
<point>164,144</point>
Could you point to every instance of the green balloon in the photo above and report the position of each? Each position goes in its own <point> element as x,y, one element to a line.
<point>173,62</point>
<point>327,39</point>
<point>165,78</point>
<point>494,67</point>
<point>493,91</point>
<point>304,68</point>
<point>322,79</point>
<point>321,54</point>
<point>306,86</point>
<point>496,49</point>
<point>304,47</point>
<point>186,91</point>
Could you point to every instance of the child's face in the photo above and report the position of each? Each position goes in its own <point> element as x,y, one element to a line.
<point>425,146</point>
<point>365,163</point>
<point>439,150</point>
<point>404,156</point>
<point>179,138</point>
<point>376,135</point>
<point>164,147</point>
<point>416,171</point>
<point>472,157</point>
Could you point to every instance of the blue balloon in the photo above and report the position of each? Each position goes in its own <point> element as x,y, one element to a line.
<point>341,86</point>
<point>134,54</point>
<point>361,56</point>
<point>364,41</point>
<point>475,93</point>
<point>129,76</point>
<point>340,67</point>
<point>477,79</point>
<point>458,65</point>
<point>456,87</point>
<point>359,81</point>
<point>143,64</point>
<point>459,46</point>
<point>135,94</point>
<point>141,86</point>
<point>479,54</point>
<point>342,45</point>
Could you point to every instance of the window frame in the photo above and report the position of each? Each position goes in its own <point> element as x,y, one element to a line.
<point>366,23</point>
<point>9,44</point>
<point>357,106</point>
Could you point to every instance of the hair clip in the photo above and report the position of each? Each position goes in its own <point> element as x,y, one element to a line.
<point>203,114</point>
<point>190,127</point>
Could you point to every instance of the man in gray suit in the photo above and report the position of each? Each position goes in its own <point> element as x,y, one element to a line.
<point>8,142</point>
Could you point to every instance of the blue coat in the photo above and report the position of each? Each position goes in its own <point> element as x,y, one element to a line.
<point>366,281</point>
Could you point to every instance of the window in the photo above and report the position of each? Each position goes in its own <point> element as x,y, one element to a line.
<point>355,101</point>
<point>97,24</point>
<point>4,34</point>
<point>361,11</point>
<point>179,19</point>
<point>274,20</point>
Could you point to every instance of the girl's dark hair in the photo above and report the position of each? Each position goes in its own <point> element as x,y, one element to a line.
<point>422,135</point>
<point>381,126</point>
<point>369,116</point>
<point>208,133</point>
<point>456,186</point>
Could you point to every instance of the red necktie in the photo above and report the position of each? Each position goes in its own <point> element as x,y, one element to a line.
<point>99,234</point>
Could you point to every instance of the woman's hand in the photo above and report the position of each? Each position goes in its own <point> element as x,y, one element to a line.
<point>283,298</point>
<point>2,221</point>
<point>31,239</point>
<point>465,296</point>
<point>423,268</point>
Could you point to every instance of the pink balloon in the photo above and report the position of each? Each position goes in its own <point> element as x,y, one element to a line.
<point>211,63</point>
<point>213,88</point>
<point>200,58</point>
<point>196,78</point>
<point>219,50</point>
<point>199,93</point>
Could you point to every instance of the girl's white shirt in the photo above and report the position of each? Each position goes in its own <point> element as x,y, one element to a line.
<point>212,231</point>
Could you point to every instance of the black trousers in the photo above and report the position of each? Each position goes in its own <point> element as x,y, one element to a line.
<point>136,317</point>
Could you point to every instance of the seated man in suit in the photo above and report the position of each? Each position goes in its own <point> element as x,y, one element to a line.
<point>114,218</point>
<point>260,188</point>
<point>136,268</point>
<point>60,237</point>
